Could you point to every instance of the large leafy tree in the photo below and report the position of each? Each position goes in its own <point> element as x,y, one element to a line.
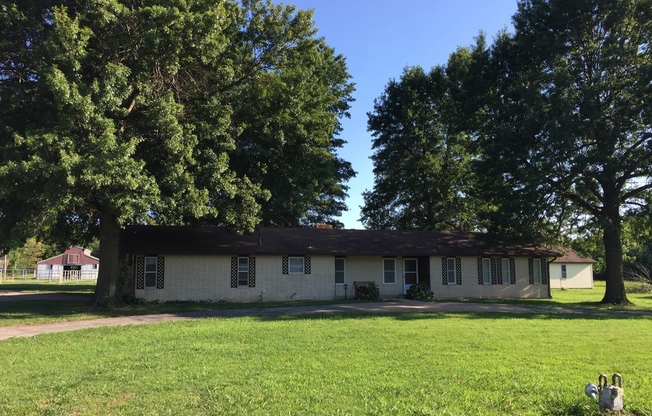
<point>421,158</point>
<point>286,121</point>
<point>569,129</point>
<point>123,111</point>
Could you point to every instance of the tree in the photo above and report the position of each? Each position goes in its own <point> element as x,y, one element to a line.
<point>421,159</point>
<point>569,131</point>
<point>122,111</point>
<point>286,123</point>
<point>29,254</point>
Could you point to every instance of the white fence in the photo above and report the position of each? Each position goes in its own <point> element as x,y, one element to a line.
<point>18,273</point>
<point>67,275</point>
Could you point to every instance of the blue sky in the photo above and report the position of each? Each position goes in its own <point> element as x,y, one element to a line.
<point>379,38</point>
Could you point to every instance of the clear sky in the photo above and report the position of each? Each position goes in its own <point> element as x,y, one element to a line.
<point>379,38</point>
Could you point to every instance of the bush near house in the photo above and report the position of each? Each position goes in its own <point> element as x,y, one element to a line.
<point>366,291</point>
<point>420,291</point>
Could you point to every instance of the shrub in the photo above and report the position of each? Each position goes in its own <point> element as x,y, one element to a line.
<point>420,291</point>
<point>368,291</point>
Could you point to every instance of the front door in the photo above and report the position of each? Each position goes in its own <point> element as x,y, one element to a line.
<point>410,273</point>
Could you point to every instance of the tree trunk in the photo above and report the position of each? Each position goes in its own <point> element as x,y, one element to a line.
<point>106,290</point>
<point>615,291</point>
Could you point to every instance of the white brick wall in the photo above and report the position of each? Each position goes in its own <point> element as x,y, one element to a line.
<point>471,289</point>
<point>208,278</point>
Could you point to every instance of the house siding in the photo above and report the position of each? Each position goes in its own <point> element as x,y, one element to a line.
<point>579,276</point>
<point>208,278</point>
<point>471,288</point>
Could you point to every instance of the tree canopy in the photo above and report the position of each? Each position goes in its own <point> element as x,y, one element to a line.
<point>559,123</point>
<point>421,159</point>
<point>125,111</point>
<point>570,132</point>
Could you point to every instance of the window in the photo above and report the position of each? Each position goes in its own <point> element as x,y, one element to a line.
<point>296,265</point>
<point>243,271</point>
<point>340,271</point>
<point>505,271</point>
<point>73,258</point>
<point>564,275</point>
<point>450,272</point>
<point>389,271</point>
<point>150,271</point>
<point>537,270</point>
<point>486,271</point>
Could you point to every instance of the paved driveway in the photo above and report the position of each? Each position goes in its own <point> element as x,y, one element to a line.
<point>376,307</point>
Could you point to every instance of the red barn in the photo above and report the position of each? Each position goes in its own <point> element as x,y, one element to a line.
<point>75,263</point>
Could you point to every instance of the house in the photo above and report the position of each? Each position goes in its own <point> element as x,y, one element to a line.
<point>277,264</point>
<point>570,271</point>
<point>75,263</point>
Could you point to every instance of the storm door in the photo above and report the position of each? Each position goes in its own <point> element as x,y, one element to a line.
<point>410,273</point>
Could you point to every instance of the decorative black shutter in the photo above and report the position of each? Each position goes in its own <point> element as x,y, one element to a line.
<point>160,272</point>
<point>512,271</point>
<point>234,272</point>
<point>494,272</point>
<point>544,271</point>
<point>444,271</point>
<point>140,272</point>
<point>458,271</point>
<point>252,272</point>
<point>499,271</point>
<point>530,267</point>
<point>307,265</point>
<point>480,272</point>
<point>285,265</point>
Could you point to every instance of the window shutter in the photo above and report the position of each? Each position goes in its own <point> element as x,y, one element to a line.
<point>530,267</point>
<point>160,272</point>
<point>512,271</point>
<point>494,271</point>
<point>307,265</point>
<point>234,272</point>
<point>252,272</point>
<point>499,271</point>
<point>444,271</point>
<point>480,272</point>
<point>544,271</point>
<point>140,272</point>
<point>285,265</point>
<point>458,271</point>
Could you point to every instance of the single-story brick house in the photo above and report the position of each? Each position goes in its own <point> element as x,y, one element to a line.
<point>571,271</point>
<point>76,263</point>
<point>276,264</point>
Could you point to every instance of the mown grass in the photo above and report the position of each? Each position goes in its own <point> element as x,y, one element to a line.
<point>45,286</point>
<point>40,311</point>
<point>343,364</point>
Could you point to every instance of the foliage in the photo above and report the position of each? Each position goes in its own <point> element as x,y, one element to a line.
<point>395,364</point>
<point>29,254</point>
<point>367,291</point>
<point>568,136</point>
<point>554,120</point>
<point>420,291</point>
<point>421,159</point>
<point>120,112</point>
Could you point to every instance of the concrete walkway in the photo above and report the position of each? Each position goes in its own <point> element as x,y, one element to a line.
<point>376,307</point>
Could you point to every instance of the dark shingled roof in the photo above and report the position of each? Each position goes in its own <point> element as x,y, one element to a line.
<point>305,241</point>
<point>570,256</point>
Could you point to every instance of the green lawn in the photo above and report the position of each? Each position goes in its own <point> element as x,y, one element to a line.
<point>344,364</point>
<point>35,312</point>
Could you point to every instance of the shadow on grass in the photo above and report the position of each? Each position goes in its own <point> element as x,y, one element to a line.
<point>53,287</point>
<point>26,312</point>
